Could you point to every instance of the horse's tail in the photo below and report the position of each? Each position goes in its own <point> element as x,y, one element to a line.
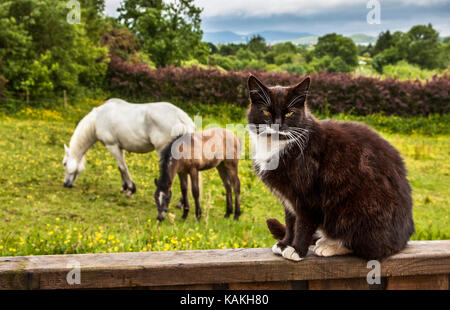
<point>277,229</point>
<point>187,125</point>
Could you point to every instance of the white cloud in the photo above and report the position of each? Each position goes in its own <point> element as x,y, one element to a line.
<point>424,2</point>
<point>111,7</point>
<point>253,8</point>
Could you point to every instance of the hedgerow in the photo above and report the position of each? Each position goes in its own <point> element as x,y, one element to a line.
<point>330,92</point>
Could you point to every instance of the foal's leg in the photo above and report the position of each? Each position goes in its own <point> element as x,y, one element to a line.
<point>196,192</point>
<point>128,185</point>
<point>224,175</point>
<point>237,192</point>
<point>180,204</point>
<point>184,200</point>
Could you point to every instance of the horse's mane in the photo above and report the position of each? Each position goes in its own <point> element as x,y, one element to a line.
<point>164,159</point>
<point>84,135</point>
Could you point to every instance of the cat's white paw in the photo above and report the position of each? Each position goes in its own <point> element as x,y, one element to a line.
<point>329,247</point>
<point>277,250</point>
<point>290,254</point>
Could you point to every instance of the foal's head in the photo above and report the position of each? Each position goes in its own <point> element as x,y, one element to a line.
<point>73,167</point>
<point>163,194</point>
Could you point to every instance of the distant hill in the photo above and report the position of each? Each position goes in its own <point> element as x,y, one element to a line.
<point>306,40</point>
<point>363,39</point>
<point>223,37</point>
<point>273,37</point>
<point>359,39</point>
<point>281,36</point>
<point>270,36</point>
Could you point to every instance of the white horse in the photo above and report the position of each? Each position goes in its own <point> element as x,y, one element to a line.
<point>122,126</point>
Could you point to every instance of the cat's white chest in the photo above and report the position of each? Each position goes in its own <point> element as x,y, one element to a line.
<point>266,155</point>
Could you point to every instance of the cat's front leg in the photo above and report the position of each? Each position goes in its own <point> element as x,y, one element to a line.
<point>289,234</point>
<point>304,230</point>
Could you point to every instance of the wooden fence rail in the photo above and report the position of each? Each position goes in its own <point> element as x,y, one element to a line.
<point>422,265</point>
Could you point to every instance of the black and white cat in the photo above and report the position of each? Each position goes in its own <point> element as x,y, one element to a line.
<point>339,182</point>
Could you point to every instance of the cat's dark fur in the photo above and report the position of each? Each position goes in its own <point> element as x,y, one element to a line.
<point>347,180</point>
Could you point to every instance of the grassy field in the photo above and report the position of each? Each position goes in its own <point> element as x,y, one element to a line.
<point>38,216</point>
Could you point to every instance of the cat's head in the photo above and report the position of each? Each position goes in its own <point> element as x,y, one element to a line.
<point>282,110</point>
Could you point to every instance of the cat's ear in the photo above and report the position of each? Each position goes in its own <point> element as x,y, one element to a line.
<point>299,92</point>
<point>302,87</point>
<point>258,91</point>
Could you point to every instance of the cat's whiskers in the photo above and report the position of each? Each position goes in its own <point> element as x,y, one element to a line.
<point>300,131</point>
<point>299,136</point>
<point>297,99</point>
<point>295,136</point>
<point>296,141</point>
<point>268,101</point>
<point>264,100</point>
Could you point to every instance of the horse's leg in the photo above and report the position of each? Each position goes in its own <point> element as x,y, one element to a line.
<point>128,185</point>
<point>196,192</point>
<point>225,176</point>
<point>184,200</point>
<point>180,204</point>
<point>237,192</point>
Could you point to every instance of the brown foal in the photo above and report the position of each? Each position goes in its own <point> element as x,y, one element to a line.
<point>190,153</point>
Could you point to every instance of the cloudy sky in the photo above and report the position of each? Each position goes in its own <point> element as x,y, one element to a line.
<point>317,16</point>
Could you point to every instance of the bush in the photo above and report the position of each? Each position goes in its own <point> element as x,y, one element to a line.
<point>402,70</point>
<point>389,56</point>
<point>224,62</point>
<point>3,82</point>
<point>285,58</point>
<point>329,91</point>
<point>294,68</point>
<point>2,87</point>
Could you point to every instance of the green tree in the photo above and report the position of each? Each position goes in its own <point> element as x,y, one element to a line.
<point>423,47</point>
<point>329,64</point>
<point>336,45</point>
<point>3,82</point>
<point>389,56</point>
<point>230,49</point>
<point>286,47</point>
<point>445,57</point>
<point>131,10</point>
<point>384,41</point>
<point>42,52</point>
<point>257,45</point>
<point>120,41</point>
<point>285,58</point>
<point>169,31</point>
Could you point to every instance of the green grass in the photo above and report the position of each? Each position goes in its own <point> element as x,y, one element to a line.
<point>39,216</point>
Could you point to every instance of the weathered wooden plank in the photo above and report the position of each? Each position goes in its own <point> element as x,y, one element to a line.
<point>183,287</point>
<point>210,266</point>
<point>339,284</point>
<point>278,285</point>
<point>423,282</point>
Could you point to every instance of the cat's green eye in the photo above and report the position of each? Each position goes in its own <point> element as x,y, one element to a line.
<point>267,113</point>
<point>289,114</point>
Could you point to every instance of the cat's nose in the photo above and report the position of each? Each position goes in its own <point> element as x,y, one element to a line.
<point>277,121</point>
